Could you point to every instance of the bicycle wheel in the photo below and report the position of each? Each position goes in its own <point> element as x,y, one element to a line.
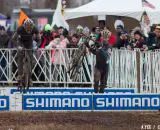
<point>75,61</point>
<point>27,71</point>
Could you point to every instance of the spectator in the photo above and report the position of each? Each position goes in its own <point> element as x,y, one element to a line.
<point>4,40</point>
<point>58,55</point>
<point>58,43</point>
<point>139,41</point>
<point>74,41</point>
<point>46,36</point>
<point>60,30</point>
<point>98,34</point>
<point>154,39</point>
<point>122,41</point>
<point>111,37</point>
<point>119,30</point>
<point>102,24</point>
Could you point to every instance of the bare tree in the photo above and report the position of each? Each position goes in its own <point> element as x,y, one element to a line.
<point>76,3</point>
<point>6,6</point>
<point>1,5</point>
<point>70,3</point>
<point>51,4</point>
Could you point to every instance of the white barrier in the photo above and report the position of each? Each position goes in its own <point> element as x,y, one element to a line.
<point>150,72</point>
<point>124,72</point>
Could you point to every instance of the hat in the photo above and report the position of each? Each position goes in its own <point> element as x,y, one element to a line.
<point>47,28</point>
<point>118,23</point>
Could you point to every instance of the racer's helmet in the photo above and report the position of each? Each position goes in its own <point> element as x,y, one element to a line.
<point>28,25</point>
<point>79,29</point>
<point>47,28</point>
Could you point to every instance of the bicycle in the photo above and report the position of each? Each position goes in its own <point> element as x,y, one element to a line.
<point>27,69</point>
<point>76,62</point>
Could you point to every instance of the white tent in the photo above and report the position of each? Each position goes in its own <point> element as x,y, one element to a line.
<point>129,8</point>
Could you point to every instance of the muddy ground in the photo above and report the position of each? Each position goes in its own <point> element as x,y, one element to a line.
<point>79,120</point>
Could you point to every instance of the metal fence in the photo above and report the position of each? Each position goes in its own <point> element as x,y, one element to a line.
<point>49,67</point>
<point>150,72</point>
<point>128,69</point>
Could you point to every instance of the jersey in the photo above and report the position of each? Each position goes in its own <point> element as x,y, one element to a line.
<point>26,39</point>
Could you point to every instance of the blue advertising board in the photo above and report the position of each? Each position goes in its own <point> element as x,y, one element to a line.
<point>57,102</point>
<point>88,102</point>
<point>4,103</point>
<point>71,90</point>
<point>126,102</point>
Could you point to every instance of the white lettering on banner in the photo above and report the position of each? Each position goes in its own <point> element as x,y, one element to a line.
<point>111,103</point>
<point>30,102</point>
<point>117,103</point>
<point>146,101</point>
<point>155,102</point>
<point>124,102</point>
<point>76,100</point>
<point>100,102</point>
<point>40,102</point>
<point>57,102</point>
<point>128,102</point>
<point>3,103</point>
<point>85,102</point>
<point>136,102</point>
<point>66,102</point>
<point>47,104</point>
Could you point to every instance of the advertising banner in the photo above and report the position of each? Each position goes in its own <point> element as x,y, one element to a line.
<point>72,90</point>
<point>4,103</point>
<point>57,102</point>
<point>126,102</point>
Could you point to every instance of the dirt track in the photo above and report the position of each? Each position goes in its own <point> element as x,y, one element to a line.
<point>78,120</point>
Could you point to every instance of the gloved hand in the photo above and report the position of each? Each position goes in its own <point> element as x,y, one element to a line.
<point>20,48</point>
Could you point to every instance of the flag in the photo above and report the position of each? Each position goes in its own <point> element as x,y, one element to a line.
<point>145,24</point>
<point>58,18</point>
<point>145,3</point>
<point>22,17</point>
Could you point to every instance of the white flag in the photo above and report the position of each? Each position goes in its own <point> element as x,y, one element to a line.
<point>58,18</point>
<point>145,24</point>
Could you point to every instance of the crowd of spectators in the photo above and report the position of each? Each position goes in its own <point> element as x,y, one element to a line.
<point>61,38</point>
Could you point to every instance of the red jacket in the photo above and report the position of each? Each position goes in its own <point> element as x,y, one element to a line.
<point>112,40</point>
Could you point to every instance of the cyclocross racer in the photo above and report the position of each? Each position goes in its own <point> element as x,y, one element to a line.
<point>23,38</point>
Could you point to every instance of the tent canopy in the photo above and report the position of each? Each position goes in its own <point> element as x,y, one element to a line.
<point>128,8</point>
